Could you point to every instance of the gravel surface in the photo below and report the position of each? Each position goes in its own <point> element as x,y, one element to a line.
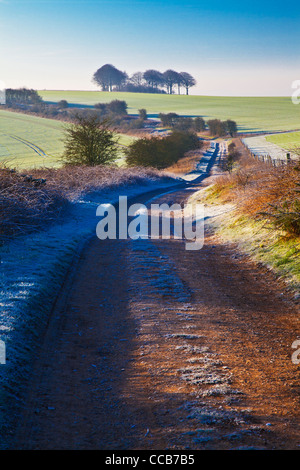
<point>151,346</point>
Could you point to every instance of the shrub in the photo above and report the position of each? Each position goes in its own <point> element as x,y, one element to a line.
<point>183,124</point>
<point>161,152</point>
<point>222,128</point>
<point>285,214</point>
<point>131,88</point>
<point>184,142</point>
<point>136,123</point>
<point>26,203</point>
<point>101,108</point>
<point>89,141</point>
<point>117,107</point>
<point>231,127</point>
<point>62,104</point>
<point>168,120</point>
<point>217,127</point>
<point>30,201</point>
<point>263,192</point>
<point>143,114</point>
<point>199,124</point>
<point>232,157</point>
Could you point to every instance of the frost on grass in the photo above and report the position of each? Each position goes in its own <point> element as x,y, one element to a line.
<point>208,415</point>
<point>32,268</point>
<point>203,375</point>
<point>193,349</point>
<point>183,336</point>
<point>219,390</point>
<point>162,280</point>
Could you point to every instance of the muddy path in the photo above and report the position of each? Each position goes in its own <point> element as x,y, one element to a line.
<point>151,346</point>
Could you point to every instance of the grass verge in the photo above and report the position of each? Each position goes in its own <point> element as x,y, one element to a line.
<point>288,141</point>
<point>240,208</point>
<point>31,200</point>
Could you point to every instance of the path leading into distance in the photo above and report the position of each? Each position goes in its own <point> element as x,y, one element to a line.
<point>151,346</point>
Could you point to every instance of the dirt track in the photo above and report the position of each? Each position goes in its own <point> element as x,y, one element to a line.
<point>155,347</point>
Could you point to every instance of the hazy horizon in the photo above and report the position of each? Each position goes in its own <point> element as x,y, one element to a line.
<point>192,93</point>
<point>231,50</point>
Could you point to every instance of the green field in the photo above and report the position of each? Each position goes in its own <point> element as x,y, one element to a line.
<point>288,141</point>
<point>251,114</point>
<point>29,141</point>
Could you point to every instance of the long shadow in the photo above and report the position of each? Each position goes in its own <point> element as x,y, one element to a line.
<point>115,346</point>
<point>141,411</point>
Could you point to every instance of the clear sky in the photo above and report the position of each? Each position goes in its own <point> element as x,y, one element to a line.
<point>230,47</point>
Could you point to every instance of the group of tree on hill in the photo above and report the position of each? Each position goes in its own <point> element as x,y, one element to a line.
<point>109,78</point>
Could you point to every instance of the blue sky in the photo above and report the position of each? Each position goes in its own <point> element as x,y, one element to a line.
<point>232,48</point>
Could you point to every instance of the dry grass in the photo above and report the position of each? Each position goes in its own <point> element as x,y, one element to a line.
<point>188,163</point>
<point>29,201</point>
<point>185,165</point>
<point>25,203</point>
<point>260,190</point>
<point>257,185</point>
<point>79,180</point>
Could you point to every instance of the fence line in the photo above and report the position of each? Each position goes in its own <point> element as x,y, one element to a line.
<point>266,158</point>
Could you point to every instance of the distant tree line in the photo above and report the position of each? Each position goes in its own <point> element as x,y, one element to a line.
<point>28,100</point>
<point>116,112</point>
<point>216,127</point>
<point>21,97</point>
<point>182,123</point>
<point>109,78</point>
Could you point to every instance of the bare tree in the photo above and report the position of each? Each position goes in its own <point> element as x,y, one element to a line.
<point>187,81</point>
<point>179,82</point>
<point>171,77</point>
<point>137,78</point>
<point>154,78</point>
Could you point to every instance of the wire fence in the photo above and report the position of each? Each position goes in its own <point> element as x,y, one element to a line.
<point>269,159</point>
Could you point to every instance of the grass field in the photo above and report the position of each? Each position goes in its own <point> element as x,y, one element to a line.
<point>252,114</point>
<point>29,141</point>
<point>288,141</point>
